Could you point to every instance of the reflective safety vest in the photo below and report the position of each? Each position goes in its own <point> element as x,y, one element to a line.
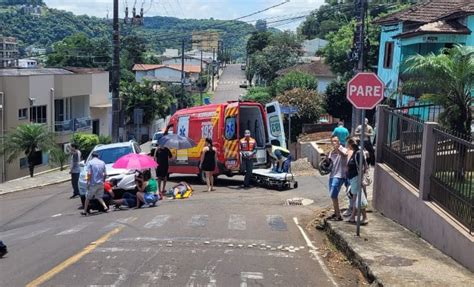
<point>283,151</point>
<point>247,145</point>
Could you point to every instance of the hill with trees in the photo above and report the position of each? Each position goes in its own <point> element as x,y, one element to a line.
<point>159,32</point>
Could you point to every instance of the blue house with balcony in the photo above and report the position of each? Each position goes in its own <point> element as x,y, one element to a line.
<point>421,29</point>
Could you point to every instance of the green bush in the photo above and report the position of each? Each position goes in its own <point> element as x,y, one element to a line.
<point>105,139</point>
<point>58,157</point>
<point>85,142</point>
<point>258,94</point>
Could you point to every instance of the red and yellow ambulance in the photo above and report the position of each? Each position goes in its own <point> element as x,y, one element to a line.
<point>225,124</point>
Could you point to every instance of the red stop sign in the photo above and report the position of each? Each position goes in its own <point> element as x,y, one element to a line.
<point>365,91</point>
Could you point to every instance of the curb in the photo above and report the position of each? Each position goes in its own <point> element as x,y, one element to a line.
<point>37,186</point>
<point>338,240</point>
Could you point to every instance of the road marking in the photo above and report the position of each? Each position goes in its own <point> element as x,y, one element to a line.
<point>237,222</point>
<point>244,276</point>
<point>206,277</point>
<point>277,223</point>
<point>35,233</point>
<point>315,253</point>
<point>158,221</point>
<point>75,229</point>
<point>56,215</point>
<point>73,259</point>
<point>199,220</point>
<point>120,222</point>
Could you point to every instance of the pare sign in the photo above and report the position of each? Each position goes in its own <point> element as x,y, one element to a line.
<point>365,91</point>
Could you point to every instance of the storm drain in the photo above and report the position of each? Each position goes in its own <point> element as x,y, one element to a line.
<point>299,201</point>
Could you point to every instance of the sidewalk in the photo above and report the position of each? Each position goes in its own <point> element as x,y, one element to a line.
<point>390,255</point>
<point>41,179</point>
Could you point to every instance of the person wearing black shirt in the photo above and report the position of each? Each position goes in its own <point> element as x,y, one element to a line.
<point>162,157</point>
<point>353,176</point>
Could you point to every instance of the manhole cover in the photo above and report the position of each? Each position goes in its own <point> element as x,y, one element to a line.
<point>299,201</point>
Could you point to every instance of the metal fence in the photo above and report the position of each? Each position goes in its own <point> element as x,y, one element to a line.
<point>402,145</point>
<point>422,112</point>
<point>452,180</point>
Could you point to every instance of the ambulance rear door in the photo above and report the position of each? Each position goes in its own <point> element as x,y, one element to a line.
<point>231,137</point>
<point>276,133</point>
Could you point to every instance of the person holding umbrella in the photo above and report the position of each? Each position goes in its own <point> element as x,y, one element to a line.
<point>208,163</point>
<point>162,156</point>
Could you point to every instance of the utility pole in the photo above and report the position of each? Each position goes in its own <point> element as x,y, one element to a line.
<point>213,66</point>
<point>200,82</point>
<point>359,43</point>
<point>182,68</point>
<point>116,74</point>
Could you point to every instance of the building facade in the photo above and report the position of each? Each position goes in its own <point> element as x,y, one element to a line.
<point>166,73</point>
<point>424,28</point>
<point>67,101</point>
<point>8,52</point>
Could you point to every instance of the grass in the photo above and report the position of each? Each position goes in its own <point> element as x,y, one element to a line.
<point>465,187</point>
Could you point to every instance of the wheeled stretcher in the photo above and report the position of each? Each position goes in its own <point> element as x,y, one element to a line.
<point>272,179</point>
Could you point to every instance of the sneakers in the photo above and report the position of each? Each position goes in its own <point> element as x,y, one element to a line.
<point>347,213</point>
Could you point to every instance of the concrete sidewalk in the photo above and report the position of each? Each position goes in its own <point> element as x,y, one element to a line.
<point>41,179</point>
<point>390,255</point>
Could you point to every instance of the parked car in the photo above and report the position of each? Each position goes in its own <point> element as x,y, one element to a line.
<point>244,84</point>
<point>109,153</point>
<point>154,141</point>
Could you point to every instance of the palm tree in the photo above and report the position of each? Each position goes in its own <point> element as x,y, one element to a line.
<point>446,79</point>
<point>27,139</point>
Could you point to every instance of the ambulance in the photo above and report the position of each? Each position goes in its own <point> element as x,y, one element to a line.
<point>225,124</point>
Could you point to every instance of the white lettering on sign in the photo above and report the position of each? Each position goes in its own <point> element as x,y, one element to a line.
<point>367,91</point>
<point>206,130</point>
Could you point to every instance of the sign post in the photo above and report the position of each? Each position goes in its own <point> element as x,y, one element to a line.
<point>364,91</point>
<point>289,110</point>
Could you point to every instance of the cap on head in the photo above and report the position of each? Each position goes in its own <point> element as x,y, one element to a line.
<point>247,133</point>
<point>95,154</point>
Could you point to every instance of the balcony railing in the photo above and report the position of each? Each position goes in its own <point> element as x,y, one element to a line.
<point>73,125</point>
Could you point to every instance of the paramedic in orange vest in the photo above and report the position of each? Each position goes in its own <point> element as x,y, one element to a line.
<point>248,149</point>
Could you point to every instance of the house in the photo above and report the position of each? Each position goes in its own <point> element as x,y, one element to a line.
<point>421,29</point>
<point>318,69</point>
<point>170,53</point>
<point>166,73</point>
<point>8,52</point>
<point>27,63</point>
<point>188,61</point>
<point>66,100</point>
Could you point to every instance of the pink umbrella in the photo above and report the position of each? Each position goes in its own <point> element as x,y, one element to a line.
<point>135,161</point>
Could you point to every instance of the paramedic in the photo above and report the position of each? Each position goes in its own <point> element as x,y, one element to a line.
<point>280,157</point>
<point>248,149</point>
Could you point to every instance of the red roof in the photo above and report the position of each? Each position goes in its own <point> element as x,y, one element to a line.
<point>148,67</point>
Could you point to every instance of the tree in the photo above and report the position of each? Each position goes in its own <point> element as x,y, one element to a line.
<point>85,142</point>
<point>74,51</point>
<point>257,42</point>
<point>446,79</point>
<point>335,101</point>
<point>28,139</point>
<point>258,94</point>
<point>184,99</point>
<point>59,157</point>
<point>155,101</point>
<point>294,79</point>
<point>261,25</point>
<point>133,50</point>
<point>309,105</point>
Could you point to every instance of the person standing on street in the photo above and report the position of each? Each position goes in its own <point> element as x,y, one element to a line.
<point>353,165</point>
<point>75,169</point>
<point>341,133</point>
<point>208,163</point>
<point>162,157</point>
<point>337,177</point>
<point>369,132</point>
<point>248,149</point>
<point>96,174</point>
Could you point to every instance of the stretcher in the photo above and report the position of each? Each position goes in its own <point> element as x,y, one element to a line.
<point>272,179</point>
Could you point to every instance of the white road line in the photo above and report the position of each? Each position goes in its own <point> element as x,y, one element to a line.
<point>75,229</point>
<point>199,220</point>
<point>56,215</point>
<point>35,233</point>
<point>244,276</point>
<point>315,253</point>
<point>157,221</point>
<point>237,222</point>
<point>120,222</point>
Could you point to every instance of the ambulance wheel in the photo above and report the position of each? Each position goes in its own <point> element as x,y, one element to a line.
<point>201,177</point>
<point>295,184</point>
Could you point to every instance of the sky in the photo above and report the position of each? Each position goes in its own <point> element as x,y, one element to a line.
<point>199,9</point>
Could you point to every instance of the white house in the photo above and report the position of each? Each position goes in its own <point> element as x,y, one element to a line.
<point>166,73</point>
<point>27,63</point>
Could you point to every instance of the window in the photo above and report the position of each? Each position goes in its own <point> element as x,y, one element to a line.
<point>38,114</point>
<point>22,114</point>
<point>230,128</point>
<point>388,55</point>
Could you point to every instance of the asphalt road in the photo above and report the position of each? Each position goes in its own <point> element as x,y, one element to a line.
<point>230,237</point>
<point>228,86</point>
